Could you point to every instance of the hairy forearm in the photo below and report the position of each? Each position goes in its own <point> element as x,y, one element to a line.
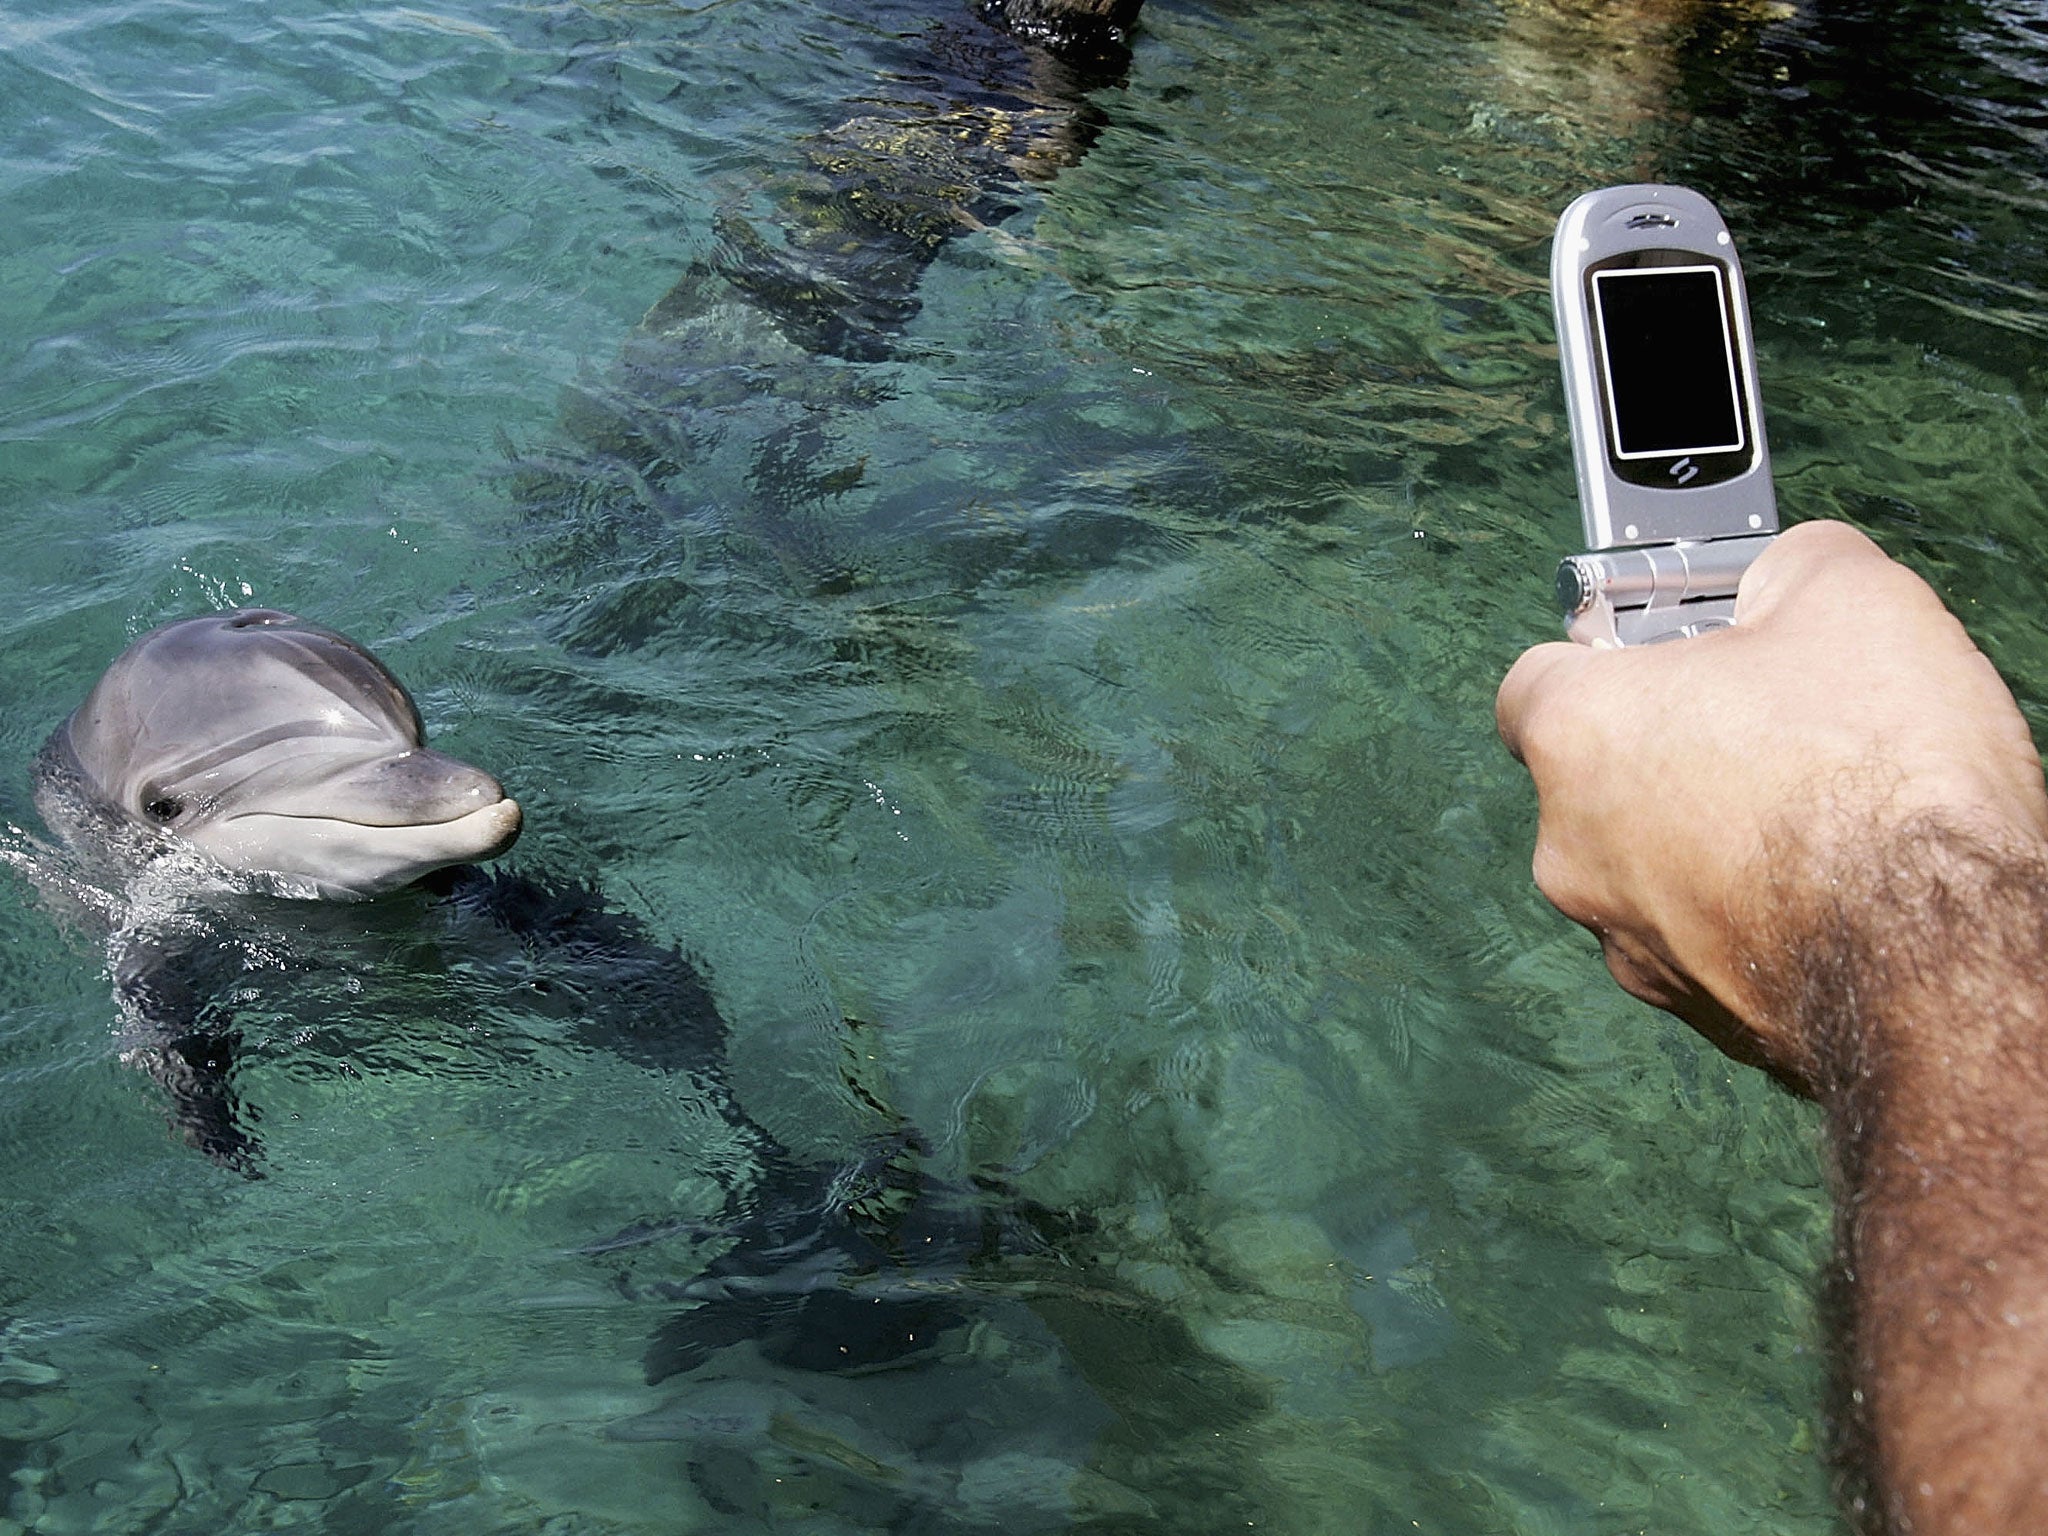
<point>1917,974</point>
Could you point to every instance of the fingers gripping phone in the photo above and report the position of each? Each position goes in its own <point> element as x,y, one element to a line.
<point>1667,424</point>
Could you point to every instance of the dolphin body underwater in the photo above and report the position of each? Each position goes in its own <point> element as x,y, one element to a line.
<point>292,763</point>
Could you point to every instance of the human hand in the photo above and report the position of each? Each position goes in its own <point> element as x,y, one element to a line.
<point>1699,798</point>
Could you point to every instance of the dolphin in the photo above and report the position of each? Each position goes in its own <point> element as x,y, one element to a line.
<point>290,757</point>
<point>280,750</point>
<point>251,754</point>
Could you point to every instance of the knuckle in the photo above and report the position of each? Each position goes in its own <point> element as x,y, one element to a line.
<point>1562,881</point>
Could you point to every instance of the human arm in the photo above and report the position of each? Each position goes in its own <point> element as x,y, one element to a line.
<point>1822,838</point>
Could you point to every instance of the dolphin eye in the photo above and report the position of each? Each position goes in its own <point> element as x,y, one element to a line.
<point>163,808</point>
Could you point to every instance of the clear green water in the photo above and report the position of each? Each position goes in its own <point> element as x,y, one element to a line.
<point>1107,731</point>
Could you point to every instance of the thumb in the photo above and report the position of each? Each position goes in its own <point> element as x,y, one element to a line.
<point>1798,558</point>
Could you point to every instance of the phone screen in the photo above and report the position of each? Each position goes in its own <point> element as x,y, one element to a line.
<point>1669,361</point>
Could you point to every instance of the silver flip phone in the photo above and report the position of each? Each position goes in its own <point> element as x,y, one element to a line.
<point>1667,424</point>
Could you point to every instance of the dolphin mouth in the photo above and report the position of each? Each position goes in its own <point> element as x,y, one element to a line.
<point>504,805</point>
<point>353,860</point>
<point>328,779</point>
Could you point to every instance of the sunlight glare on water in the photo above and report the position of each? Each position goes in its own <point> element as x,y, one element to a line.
<point>1054,712</point>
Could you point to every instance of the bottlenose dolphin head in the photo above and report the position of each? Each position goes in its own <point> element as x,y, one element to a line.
<point>279,750</point>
